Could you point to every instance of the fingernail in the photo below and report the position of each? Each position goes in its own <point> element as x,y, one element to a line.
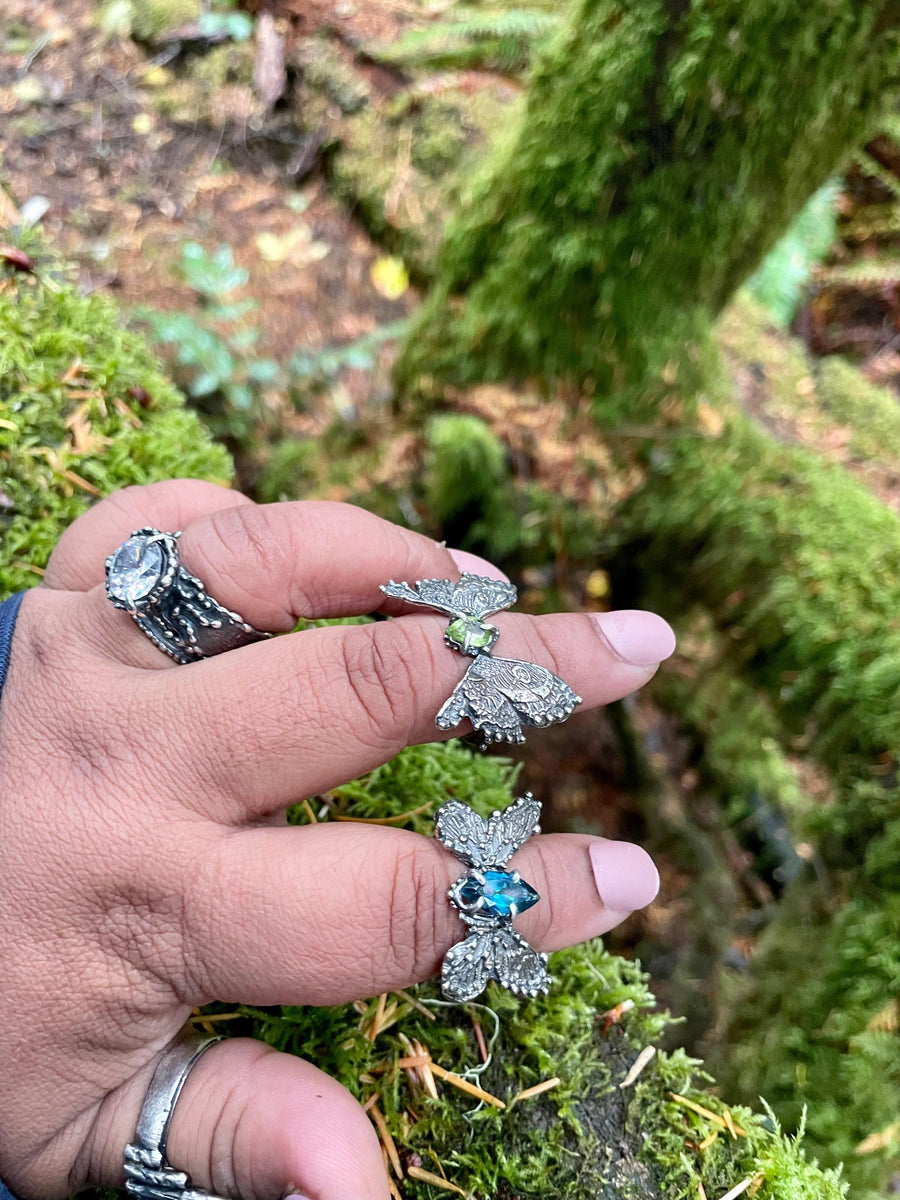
<point>625,874</point>
<point>296,1196</point>
<point>475,565</point>
<point>639,638</point>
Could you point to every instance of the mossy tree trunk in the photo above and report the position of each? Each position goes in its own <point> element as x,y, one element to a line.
<point>663,147</point>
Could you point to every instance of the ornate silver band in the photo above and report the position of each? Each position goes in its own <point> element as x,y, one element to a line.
<point>148,1173</point>
<point>172,607</point>
<point>488,896</point>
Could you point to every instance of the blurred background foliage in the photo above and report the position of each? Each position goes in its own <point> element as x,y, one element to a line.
<point>604,412</point>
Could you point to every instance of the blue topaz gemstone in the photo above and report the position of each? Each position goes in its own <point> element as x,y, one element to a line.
<point>500,892</point>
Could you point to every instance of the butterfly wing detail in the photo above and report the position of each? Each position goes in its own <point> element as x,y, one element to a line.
<point>428,593</point>
<point>464,832</point>
<point>467,966</point>
<point>490,843</point>
<point>500,695</point>
<point>473,596</point>
<point>516,965</point>
<point>477,596</point>
<point>510,828</point>
<point>498,953</point>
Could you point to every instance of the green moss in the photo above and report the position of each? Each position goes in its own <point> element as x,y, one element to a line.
<point>150,19</point>
<point>661,152</point>
<point>871,412</point>
<point>809,401</point>
<point>467,486</point>
<point>228,63</point>
<point>403,163</point>
<point>796,562</point>
<point>83,410</point>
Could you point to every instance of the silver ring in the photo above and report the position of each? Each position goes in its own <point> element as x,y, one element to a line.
<point>488,897</point>
<point>498,695</point>
<point>171,606</point>
<point>148,1172</point>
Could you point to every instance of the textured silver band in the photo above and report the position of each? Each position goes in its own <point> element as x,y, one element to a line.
<point>171,606</point>
<point>148,1173</point>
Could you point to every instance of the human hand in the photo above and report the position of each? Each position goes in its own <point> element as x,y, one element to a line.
<point>141,872</point>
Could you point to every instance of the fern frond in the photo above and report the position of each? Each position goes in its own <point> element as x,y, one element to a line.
<point>871,273</point>
<point>870,165</point>
<point>507,39</point>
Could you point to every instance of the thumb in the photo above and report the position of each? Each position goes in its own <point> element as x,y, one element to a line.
<point>257,1124</point>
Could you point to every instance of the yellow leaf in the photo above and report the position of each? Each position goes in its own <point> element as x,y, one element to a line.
<point>156,77</point>
<point>142,124</point>
<point>295,246</point>
<point>597,585</point>
<point>389,277</point>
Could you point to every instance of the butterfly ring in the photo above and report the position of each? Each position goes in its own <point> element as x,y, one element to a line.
<point>488,896</point>
<point>498,695</point>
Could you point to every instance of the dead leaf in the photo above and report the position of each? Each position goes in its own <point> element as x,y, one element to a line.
<point>710,419</point>
<point>880,1140</point>
<point>297,246</point>
<point>9,214</point>
<point>16,258</point>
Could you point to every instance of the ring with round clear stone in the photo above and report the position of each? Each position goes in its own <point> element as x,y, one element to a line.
<point>172,607</point>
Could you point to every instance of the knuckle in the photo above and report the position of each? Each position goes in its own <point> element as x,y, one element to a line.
<point>381,687</point>
<point>414,938</point>
<point>246,541</point>
<point>541,647</point>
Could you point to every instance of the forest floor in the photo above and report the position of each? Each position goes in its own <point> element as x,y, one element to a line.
<point>128,150</point>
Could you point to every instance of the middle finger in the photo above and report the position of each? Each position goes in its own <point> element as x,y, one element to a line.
<point>271,723</point>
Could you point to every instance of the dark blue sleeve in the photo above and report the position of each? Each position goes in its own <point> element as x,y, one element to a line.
<point>9,610</point>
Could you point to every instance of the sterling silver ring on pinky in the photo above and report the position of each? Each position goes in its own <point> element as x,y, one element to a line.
<point>172,607</point>
<point>148,1173</point>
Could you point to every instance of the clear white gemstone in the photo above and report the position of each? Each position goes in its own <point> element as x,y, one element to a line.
<point>135,569</point>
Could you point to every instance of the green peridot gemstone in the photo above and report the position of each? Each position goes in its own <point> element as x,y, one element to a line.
<point>469,633</point>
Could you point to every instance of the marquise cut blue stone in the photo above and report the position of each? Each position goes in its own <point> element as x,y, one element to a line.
<point>499,892</point>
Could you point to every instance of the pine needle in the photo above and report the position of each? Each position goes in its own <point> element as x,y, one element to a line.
<point>310,815</point>
<point>734,1129</point>
<point>211,1018</point>
<point>374,1029</point>
<point>435,1180</point>
<point>479,1038</point>
<point>880,1140</point>
<point>413,812</point>
<point>642,1060</point>
<point>425,1072</point>
<point>413,1060</point>
<point>537,1090</point>
<point>386,1140</point>
<point>464,1086</point>
<point>729,1121</point>
<point>416,1004</point>
<point>739,1189</point>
